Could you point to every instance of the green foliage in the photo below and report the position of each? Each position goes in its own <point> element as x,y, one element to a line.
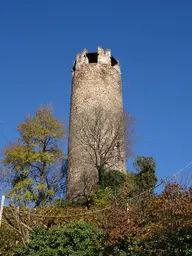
<point>100,198</point>
<point>31,160</point>
<point>8,238</point>
<point>169,242</point>
<point>172,242</point>
<point>61,203</point>
<point>145,177</point>
<point>127,246</point>
<point>112,179</point>
<point>109,183</point>
<point>79,238</point>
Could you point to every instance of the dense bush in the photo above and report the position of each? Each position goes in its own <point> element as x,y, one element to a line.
<point>112,179</point>
<point>169,242</point>
<point>8,240</point>
<point>79,238</point>
<point>128,246</point>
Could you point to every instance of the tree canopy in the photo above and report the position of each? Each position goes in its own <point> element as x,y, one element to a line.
<point>30,161</point>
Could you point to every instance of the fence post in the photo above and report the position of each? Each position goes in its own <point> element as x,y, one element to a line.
<point>128,217</point>
<point>1,208</point>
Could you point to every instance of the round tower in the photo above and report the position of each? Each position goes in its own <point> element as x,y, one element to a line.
<point>96,101</point>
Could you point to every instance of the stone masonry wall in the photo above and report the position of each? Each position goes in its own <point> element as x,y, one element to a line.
<point>93,85</point>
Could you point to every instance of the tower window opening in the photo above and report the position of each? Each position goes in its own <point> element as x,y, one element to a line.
<point>113,61</point>
<point>92,57</point>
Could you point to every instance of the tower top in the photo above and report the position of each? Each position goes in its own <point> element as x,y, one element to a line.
<point>101,56</point>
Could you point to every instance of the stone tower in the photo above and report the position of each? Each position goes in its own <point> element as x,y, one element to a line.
<point>96,88</point>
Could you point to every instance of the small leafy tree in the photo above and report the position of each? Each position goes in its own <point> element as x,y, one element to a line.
<point>33,161</point>
<point>79,238</point>
<point>145,180</point>
<point>145,177</point>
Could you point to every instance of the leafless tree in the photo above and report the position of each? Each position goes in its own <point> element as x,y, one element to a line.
<point>105,137</point>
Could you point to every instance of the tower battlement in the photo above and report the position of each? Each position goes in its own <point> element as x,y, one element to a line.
<point>101,57</point>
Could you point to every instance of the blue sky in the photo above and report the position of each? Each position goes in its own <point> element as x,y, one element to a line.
<point>152,40</point>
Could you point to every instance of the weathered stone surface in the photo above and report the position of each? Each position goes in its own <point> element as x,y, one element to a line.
<point>96,83</point>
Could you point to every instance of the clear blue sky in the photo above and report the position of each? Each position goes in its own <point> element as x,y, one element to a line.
<point>152,40</point>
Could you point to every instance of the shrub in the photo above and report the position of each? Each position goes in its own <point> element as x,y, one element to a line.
<point>112,179</point>
<point>127,246</point>
<point>172,242</point>
<point>79,238</point>
<point>61,203</point>
<point>100,198</point>
<point>8,240</point>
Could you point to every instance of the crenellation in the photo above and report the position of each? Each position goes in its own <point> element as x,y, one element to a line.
<point>81,58</point>
<point>104,57</point>
<point>108,53</point>
<point>101,57</point>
